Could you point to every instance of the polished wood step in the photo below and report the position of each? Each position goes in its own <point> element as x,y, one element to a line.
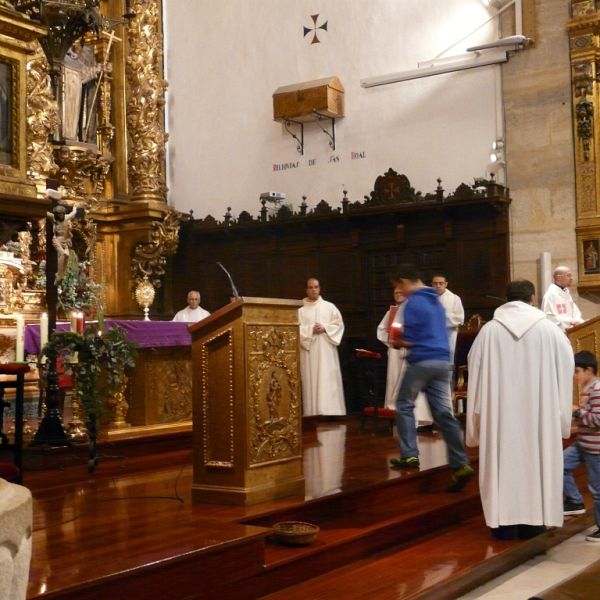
<point>441,565</point>
<point>130,529</point>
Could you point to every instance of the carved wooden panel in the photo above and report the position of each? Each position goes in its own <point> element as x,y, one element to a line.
<point>273,390</point>
<point>217,400</point>
<point>160,389</point>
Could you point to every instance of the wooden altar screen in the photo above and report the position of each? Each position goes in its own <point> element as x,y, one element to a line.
<point>247,403</point>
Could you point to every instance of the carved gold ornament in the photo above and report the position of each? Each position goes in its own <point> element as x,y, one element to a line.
<point>146,103</point>
<point>274,387</point>
<point>149,259</point>
<point>42,119</point>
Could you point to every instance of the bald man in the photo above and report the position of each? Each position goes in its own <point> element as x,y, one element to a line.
<point>558,304</point>
<point>193,312</point>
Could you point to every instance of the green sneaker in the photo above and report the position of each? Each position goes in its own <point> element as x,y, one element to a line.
<point>460,478</point>
<point>412,462</point>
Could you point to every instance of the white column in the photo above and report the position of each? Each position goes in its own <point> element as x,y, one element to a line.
<point>545,274</point>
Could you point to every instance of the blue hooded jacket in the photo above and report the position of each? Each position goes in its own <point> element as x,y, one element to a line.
<point>425,326</point>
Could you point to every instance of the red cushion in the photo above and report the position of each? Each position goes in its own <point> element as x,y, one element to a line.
<point>8,471</point>
<point>382,413</point>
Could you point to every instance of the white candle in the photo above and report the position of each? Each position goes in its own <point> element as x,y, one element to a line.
<point>43,330</point>
<point>43,334</point>
<point>73,327</point>
<point>20,352</point>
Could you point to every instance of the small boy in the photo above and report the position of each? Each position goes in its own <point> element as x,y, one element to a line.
<point>587,447</point>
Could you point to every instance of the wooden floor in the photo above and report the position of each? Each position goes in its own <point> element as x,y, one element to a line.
<point>130,530</point>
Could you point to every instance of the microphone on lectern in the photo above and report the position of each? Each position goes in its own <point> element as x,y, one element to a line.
<point>496,298</point>
<point>234,292</point>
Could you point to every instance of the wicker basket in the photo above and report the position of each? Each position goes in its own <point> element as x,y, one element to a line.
<point>295,533</point>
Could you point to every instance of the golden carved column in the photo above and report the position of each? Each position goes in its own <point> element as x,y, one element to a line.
<point>145,119</point>
<point>42,119</point>
<point>584,47</point>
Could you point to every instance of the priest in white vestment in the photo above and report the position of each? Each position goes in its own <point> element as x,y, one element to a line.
<point>192,313</point>
<point>557,302</point>
<point>455,313</point>
<point>397,365</point>
<point>321,331</point>
<point>518,408</point>
<point>395,355</point>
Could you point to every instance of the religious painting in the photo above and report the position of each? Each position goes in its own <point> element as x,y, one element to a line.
<point>6,124</point>
<point>591,254</point>
<point>79,94</point>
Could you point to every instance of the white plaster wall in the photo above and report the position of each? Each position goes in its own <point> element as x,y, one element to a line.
<point>226,58</point>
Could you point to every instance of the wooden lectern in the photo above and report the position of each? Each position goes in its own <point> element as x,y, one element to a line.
<point>247,403</point>
<point>586,336</point>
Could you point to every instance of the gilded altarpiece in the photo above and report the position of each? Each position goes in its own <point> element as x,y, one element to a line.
<point>584,46</point>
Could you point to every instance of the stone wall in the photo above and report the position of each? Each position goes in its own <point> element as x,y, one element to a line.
<point>539,150</point>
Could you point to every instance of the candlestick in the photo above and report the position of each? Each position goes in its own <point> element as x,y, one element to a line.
<point>73,327</point>
<point>79,322</point>
<point>20,349</point>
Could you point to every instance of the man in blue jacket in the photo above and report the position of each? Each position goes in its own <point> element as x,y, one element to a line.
<point>425,335</point>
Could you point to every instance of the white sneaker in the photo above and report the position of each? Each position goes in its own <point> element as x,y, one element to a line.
<point>593,537</point>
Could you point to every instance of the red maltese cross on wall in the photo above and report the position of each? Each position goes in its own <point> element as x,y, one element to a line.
<point>314,29</point>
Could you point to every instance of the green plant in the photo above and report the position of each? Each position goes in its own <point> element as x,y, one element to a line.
<point>76,290</point>
<point>93,354</point>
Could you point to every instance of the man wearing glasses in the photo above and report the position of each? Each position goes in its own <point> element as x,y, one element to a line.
<point>558,304</point>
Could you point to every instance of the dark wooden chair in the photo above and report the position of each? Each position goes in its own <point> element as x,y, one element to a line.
<point>18,371</point>
<point>368,368</point>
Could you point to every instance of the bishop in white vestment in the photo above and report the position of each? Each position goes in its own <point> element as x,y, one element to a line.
<point>518,409</point>
<point>321,331</point>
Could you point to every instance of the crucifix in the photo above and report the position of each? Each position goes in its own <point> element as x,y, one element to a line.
<point>50,431</point>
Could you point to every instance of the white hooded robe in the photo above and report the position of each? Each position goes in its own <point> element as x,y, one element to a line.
<point>519,402</point>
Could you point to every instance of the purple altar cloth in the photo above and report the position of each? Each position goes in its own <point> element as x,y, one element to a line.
<point>147,334</point>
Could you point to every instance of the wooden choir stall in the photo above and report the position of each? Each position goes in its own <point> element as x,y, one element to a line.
<point>247,403</point>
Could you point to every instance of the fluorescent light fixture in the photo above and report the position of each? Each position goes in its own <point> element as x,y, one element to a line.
<point>438,67</point>
<point>512,42</point>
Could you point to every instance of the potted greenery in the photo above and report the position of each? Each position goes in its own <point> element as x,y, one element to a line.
<point>100,362</point>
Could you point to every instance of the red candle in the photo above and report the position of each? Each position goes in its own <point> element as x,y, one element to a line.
<point>396,331</point>
<point>80,323</point>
